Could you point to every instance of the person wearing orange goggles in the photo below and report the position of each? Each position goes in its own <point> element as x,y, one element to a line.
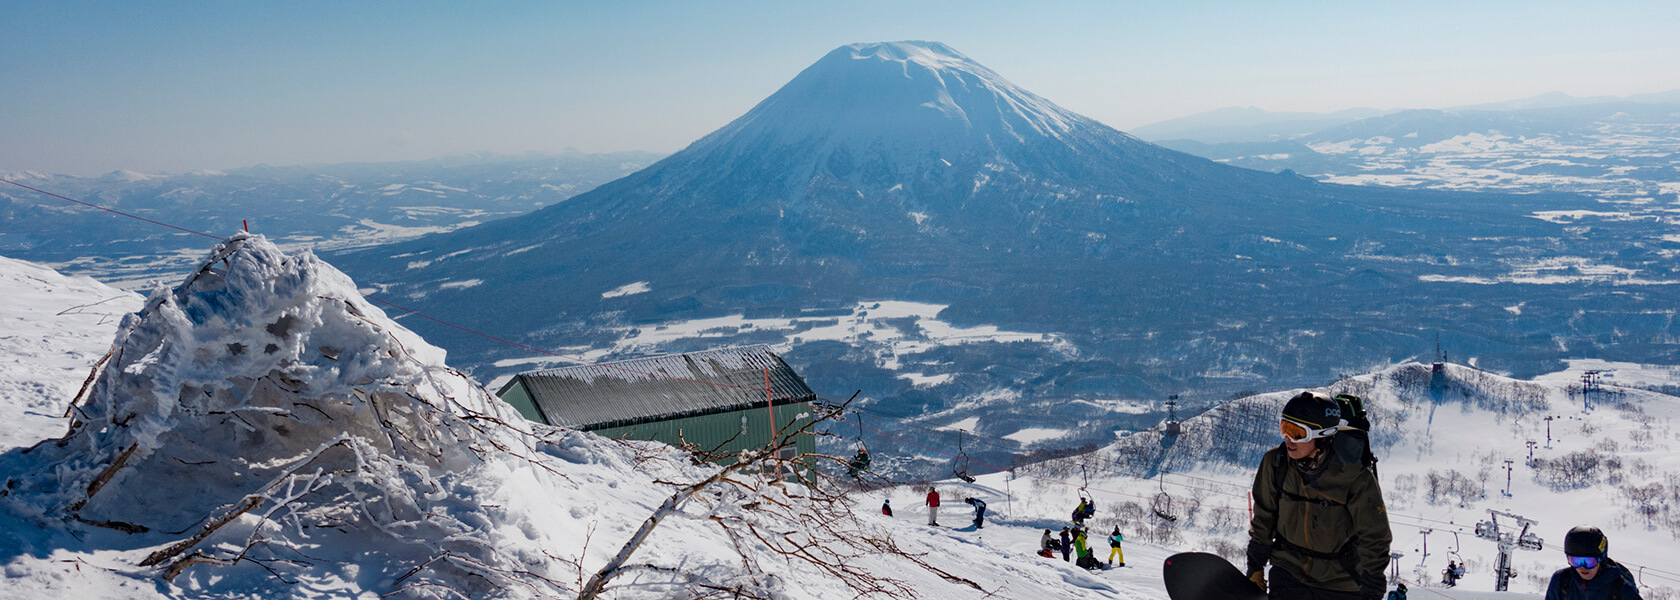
<point>1319,518</point>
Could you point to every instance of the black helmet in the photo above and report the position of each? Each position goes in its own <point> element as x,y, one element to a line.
<point>1401,587</point>
<point>1314,412</point>
<point>1586,540</point>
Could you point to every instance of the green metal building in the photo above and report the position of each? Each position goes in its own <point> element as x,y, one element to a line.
<point>724,399</point>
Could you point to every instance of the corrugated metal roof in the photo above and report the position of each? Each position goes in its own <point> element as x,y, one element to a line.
<point>662,387</point>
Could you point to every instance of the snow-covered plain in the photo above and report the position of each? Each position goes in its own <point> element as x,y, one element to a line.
<point>598,492</point>
<point>888,329</point>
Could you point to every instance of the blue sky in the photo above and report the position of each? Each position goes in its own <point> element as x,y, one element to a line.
<point>89,87</point>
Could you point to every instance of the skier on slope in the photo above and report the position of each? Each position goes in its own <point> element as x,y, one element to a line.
<point>1591,575</point>
<point>1319,517</point>
<point>933,506</point>
<point>1114,540</point>
<point>886,507</point>
<point>979,511</point>
<point>1067,544</point>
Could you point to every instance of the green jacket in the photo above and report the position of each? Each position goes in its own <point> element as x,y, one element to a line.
<point>1340,514</point>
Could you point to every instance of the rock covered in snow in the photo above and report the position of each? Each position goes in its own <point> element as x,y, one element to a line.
<point>264,407</point>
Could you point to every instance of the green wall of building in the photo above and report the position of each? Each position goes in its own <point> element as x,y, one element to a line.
<point>521,399</point>
<point>750,429</point>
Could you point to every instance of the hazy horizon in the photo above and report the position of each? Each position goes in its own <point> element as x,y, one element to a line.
<point>174,87</point>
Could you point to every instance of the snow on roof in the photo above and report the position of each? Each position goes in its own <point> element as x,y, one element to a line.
<point>657,388</point>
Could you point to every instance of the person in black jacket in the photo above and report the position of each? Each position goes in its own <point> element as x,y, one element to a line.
<point>1591,574</point>
<point>1319,517</point>
<point>1067,545</point>
<point>979,511</point>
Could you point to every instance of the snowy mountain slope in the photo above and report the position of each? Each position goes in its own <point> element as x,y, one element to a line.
<point>264,431</point>
<point>54,327</point>
<point>603,491</point>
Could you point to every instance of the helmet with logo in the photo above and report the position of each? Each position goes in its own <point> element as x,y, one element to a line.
<point>1310,416</point>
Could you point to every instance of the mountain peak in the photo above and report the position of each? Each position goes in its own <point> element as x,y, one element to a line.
<point>928,54</point>
<point>861,93</point>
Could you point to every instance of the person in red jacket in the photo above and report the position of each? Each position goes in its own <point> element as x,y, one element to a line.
<point>933,506</point>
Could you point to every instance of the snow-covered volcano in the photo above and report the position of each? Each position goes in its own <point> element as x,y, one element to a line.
<point>905,171</point>
<point>896,110</point>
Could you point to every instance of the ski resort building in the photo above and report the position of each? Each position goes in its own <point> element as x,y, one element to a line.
<point>725,399</point>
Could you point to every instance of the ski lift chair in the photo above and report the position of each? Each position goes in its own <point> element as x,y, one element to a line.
<point>959,464</point>
<point>1162,505</point>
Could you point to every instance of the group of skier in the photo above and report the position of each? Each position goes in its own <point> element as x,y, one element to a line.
<point>1074,541</point>
<point>933,509</point>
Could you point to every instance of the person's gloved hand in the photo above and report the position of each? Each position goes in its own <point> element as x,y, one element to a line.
<point>1259,579</point>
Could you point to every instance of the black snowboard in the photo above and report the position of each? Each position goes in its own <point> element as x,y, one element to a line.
<point>1203,576</point>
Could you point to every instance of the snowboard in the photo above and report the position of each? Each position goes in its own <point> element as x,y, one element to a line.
<point>1203,576</point>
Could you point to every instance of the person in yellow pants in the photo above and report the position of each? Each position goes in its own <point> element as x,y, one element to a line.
<point>1114,540</point>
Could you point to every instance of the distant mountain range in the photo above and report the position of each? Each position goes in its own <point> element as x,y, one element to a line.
<point>1624,147</point>
<point>905,171</point>
<point>1250,124</point>
<point>327,206</point>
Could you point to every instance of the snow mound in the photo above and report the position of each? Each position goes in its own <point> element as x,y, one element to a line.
<point>55,326</point>
<point>263,411</point>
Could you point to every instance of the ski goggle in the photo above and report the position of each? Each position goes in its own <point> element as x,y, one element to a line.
<point>1298,433</point>
<point>1583,562</point>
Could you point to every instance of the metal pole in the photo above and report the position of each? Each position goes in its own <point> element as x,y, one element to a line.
<point>769,403</point>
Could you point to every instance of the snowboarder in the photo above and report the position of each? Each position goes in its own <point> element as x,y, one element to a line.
<point>933,507</point>
<point>1114,540</point>
<point>1591,575</point>
<point>1083,549</point>
<point>979,511</point>
<point>1067,544</point>
<point>886,507</point>
<point>1047,545</point>
<point>859,463</point>
<point>1319,517</point>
